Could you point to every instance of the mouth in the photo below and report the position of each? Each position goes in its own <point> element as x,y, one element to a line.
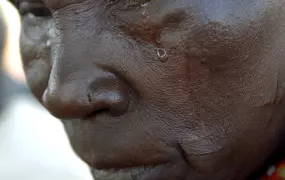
<point>168,171</point>
<point>132,157</point>
<point>135,173</point>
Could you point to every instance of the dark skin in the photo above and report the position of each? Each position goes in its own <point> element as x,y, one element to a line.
<point>192,88</point>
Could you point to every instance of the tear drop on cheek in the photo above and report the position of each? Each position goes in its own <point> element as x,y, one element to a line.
<point>48,43</point>
<point>162,54</point>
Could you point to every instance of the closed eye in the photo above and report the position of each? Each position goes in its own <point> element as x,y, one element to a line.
<point>128,3</point>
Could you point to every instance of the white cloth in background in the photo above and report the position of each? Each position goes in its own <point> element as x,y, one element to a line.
<point>34,146</point>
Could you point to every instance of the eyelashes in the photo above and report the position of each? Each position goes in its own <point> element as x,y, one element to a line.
<point>128,3</point>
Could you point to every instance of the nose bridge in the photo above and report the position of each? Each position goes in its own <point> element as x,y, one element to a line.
<point>67,87</point>
<point>69,69</point>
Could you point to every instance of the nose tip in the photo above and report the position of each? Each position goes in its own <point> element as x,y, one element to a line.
<point>79,99</point>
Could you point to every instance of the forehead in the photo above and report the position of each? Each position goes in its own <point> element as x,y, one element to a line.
<point>208,6</point>
<point>200,23</point>
<point>224,17</point>
<point>226,11</point>
<point>235,13</point>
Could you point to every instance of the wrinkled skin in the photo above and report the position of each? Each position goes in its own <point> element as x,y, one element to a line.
<point>208,105</point>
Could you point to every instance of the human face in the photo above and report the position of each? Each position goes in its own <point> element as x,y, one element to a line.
<point>169,89</point>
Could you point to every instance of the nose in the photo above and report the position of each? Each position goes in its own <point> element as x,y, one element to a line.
<point>86,93</point>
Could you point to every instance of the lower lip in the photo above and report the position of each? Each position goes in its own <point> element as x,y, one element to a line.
<point>136,173</point>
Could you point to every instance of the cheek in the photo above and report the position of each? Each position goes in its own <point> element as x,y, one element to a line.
<point>219,69</point>
<point>213,50</point>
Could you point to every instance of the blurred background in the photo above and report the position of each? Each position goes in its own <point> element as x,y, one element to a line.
<point>33,144</point>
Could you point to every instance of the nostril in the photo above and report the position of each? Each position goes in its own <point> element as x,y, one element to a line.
<point>116,102</point>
